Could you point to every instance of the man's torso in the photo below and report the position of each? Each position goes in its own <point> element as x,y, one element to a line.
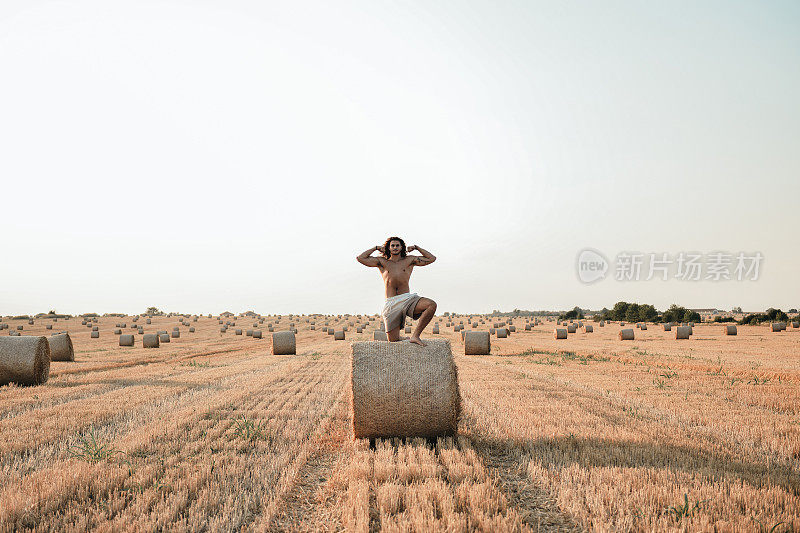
<point>396,275</point>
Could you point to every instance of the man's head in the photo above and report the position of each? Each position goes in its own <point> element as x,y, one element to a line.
<point>394,246</point>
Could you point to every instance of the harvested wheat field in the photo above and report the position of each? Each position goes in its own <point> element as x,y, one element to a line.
<point>211,431</point>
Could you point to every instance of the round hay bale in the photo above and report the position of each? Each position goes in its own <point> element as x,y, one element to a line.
<point>150,340</point>
<point>117,332</point>
<point>730,329</point>
<point>163,338</point>
<point>176,334</point>
<point>527,327</point>
<point>667,327</point>
<point>49,326</point>
<point>19,328</point>
<point>477,343</point>
<point>512,328</point>
<point>401,389</point>
<point>502,333</point>
<point>643,327</point>
<point>95,328</point>
<point>626,334</point>
<point>572,328</point>
<point>560,333</point>
<point>330,331</point>
<point>359,329</point>
<point>95,334</point>
<point>24,360</point>
<point>126,340</point>
<point>338,335</point>
<point>61,347</point>
<point>379,335</point>
<point>407,329</point>
<point>284,343</point>
<point>589,328</point>
<point>776,326</point>
<point>313,328</point>
<point>249,333</point>
<point>683,332</point>
<point>602,324</point>
<point>238,332</point>
<point>256,333</point>
<point>191,330</point>
<point>147,321</point>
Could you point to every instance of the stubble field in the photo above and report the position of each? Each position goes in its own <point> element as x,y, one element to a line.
<point>213,432</point>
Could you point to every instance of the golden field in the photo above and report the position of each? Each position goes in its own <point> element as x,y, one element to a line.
<point>213,432</point>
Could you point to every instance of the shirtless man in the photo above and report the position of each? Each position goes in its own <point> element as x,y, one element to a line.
<point>396,267</point>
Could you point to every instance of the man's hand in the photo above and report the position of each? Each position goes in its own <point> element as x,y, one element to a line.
<point>380,248</point>
<point>411,248</point>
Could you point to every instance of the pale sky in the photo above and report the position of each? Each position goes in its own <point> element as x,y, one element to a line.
<point>203,156</point>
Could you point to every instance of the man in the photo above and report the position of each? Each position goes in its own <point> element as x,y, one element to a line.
<point>395,267</point>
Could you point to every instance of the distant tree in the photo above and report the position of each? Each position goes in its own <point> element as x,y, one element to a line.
<point>619,311</point>
<point>691,316</point>
<point>647,313</point>
<point>632,314</point>
<point>736,310</point>
<point>792,310</point>
<point>576,313</point>
<point>153,311</point>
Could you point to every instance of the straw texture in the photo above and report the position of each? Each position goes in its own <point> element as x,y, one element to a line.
<point>283,343</point>
<point>24,360</point>
<point>400,389</point>
<point>477,342</point>
<point>61,347</point>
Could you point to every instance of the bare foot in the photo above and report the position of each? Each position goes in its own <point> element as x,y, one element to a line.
<point>417,340</point>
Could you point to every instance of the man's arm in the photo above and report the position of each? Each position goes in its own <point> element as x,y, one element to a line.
<point>426,259</point>
<point>365,258</point>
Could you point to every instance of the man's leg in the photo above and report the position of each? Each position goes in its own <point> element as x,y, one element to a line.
<point>426,308</point>
<point>394,335</point>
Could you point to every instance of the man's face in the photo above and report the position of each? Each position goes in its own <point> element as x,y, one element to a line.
<point>394,247</point>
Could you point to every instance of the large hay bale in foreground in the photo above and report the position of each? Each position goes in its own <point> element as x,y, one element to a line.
<point>477,342</point>
<point>560,333</point>
<point>683,332</point>
<point>730,329</point>
<point>150,340</point>
<point>283,343</point>
<point>338,335</point>
<point>126,340</point>
<point>626,334</point>
<point>24,360</point>
<point>61,347</point>
<point>401,389</point>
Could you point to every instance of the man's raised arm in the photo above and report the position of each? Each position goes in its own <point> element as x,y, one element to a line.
<point>365,258</point>
<point>426,259</point>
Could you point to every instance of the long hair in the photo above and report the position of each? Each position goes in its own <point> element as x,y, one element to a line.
<point>386,253</point>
